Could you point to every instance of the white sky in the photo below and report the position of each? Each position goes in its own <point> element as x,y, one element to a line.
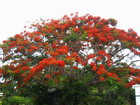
<point>14,14</point>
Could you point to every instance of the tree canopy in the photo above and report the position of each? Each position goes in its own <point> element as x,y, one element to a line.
<point>85,48</point>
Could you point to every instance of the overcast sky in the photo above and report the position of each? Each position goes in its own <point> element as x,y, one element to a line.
<point>15,14</point>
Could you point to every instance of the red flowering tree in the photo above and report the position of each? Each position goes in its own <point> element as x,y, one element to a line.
<point>83,48</point>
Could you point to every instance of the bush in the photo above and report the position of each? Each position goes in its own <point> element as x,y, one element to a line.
<point>17,100</point>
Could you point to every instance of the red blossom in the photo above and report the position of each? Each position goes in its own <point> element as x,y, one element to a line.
<point>76,30</point>
<point>48,76</point>
<point>32,70</point>
<point>110,38</point>
<point>98,58</point>
<point>26,78</point>
<point>103,39</point>
<point>94,68</point>
<point>128,85</point>
<point>25,68</point>
<point>16,71</point>
<point>109,63</point>
<point>78,59</point>
<point>54,54</point>
<point>37,38</point>
<point>91,56</point>
<point>18,36</point>
<point>101,69</point>
<point>74,54</point>
<point>33,47</point>
<point>90,22</point>
<point>62,51</point>
<point>4,41</point>
<point>61,63</point>
<point>63,27</point>
<point>20,48</point>
<point>75,67</point>
<point>69,58</point>
<point>101,78</point>
<point>109,74</point>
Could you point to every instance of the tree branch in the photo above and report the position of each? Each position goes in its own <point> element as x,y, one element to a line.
<point>133,62</point>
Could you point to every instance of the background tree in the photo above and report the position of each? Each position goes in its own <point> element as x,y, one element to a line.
<point>73,53</point>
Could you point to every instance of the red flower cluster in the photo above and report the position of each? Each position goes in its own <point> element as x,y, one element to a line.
<point>87,43</point>
<point>61,63</point>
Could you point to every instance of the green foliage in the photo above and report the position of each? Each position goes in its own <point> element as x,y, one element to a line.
<point>76,92</point>
<point>18,100</point>
<point>111,93</point>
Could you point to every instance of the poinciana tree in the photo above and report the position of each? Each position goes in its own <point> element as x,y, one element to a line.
<point>84,48</point>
